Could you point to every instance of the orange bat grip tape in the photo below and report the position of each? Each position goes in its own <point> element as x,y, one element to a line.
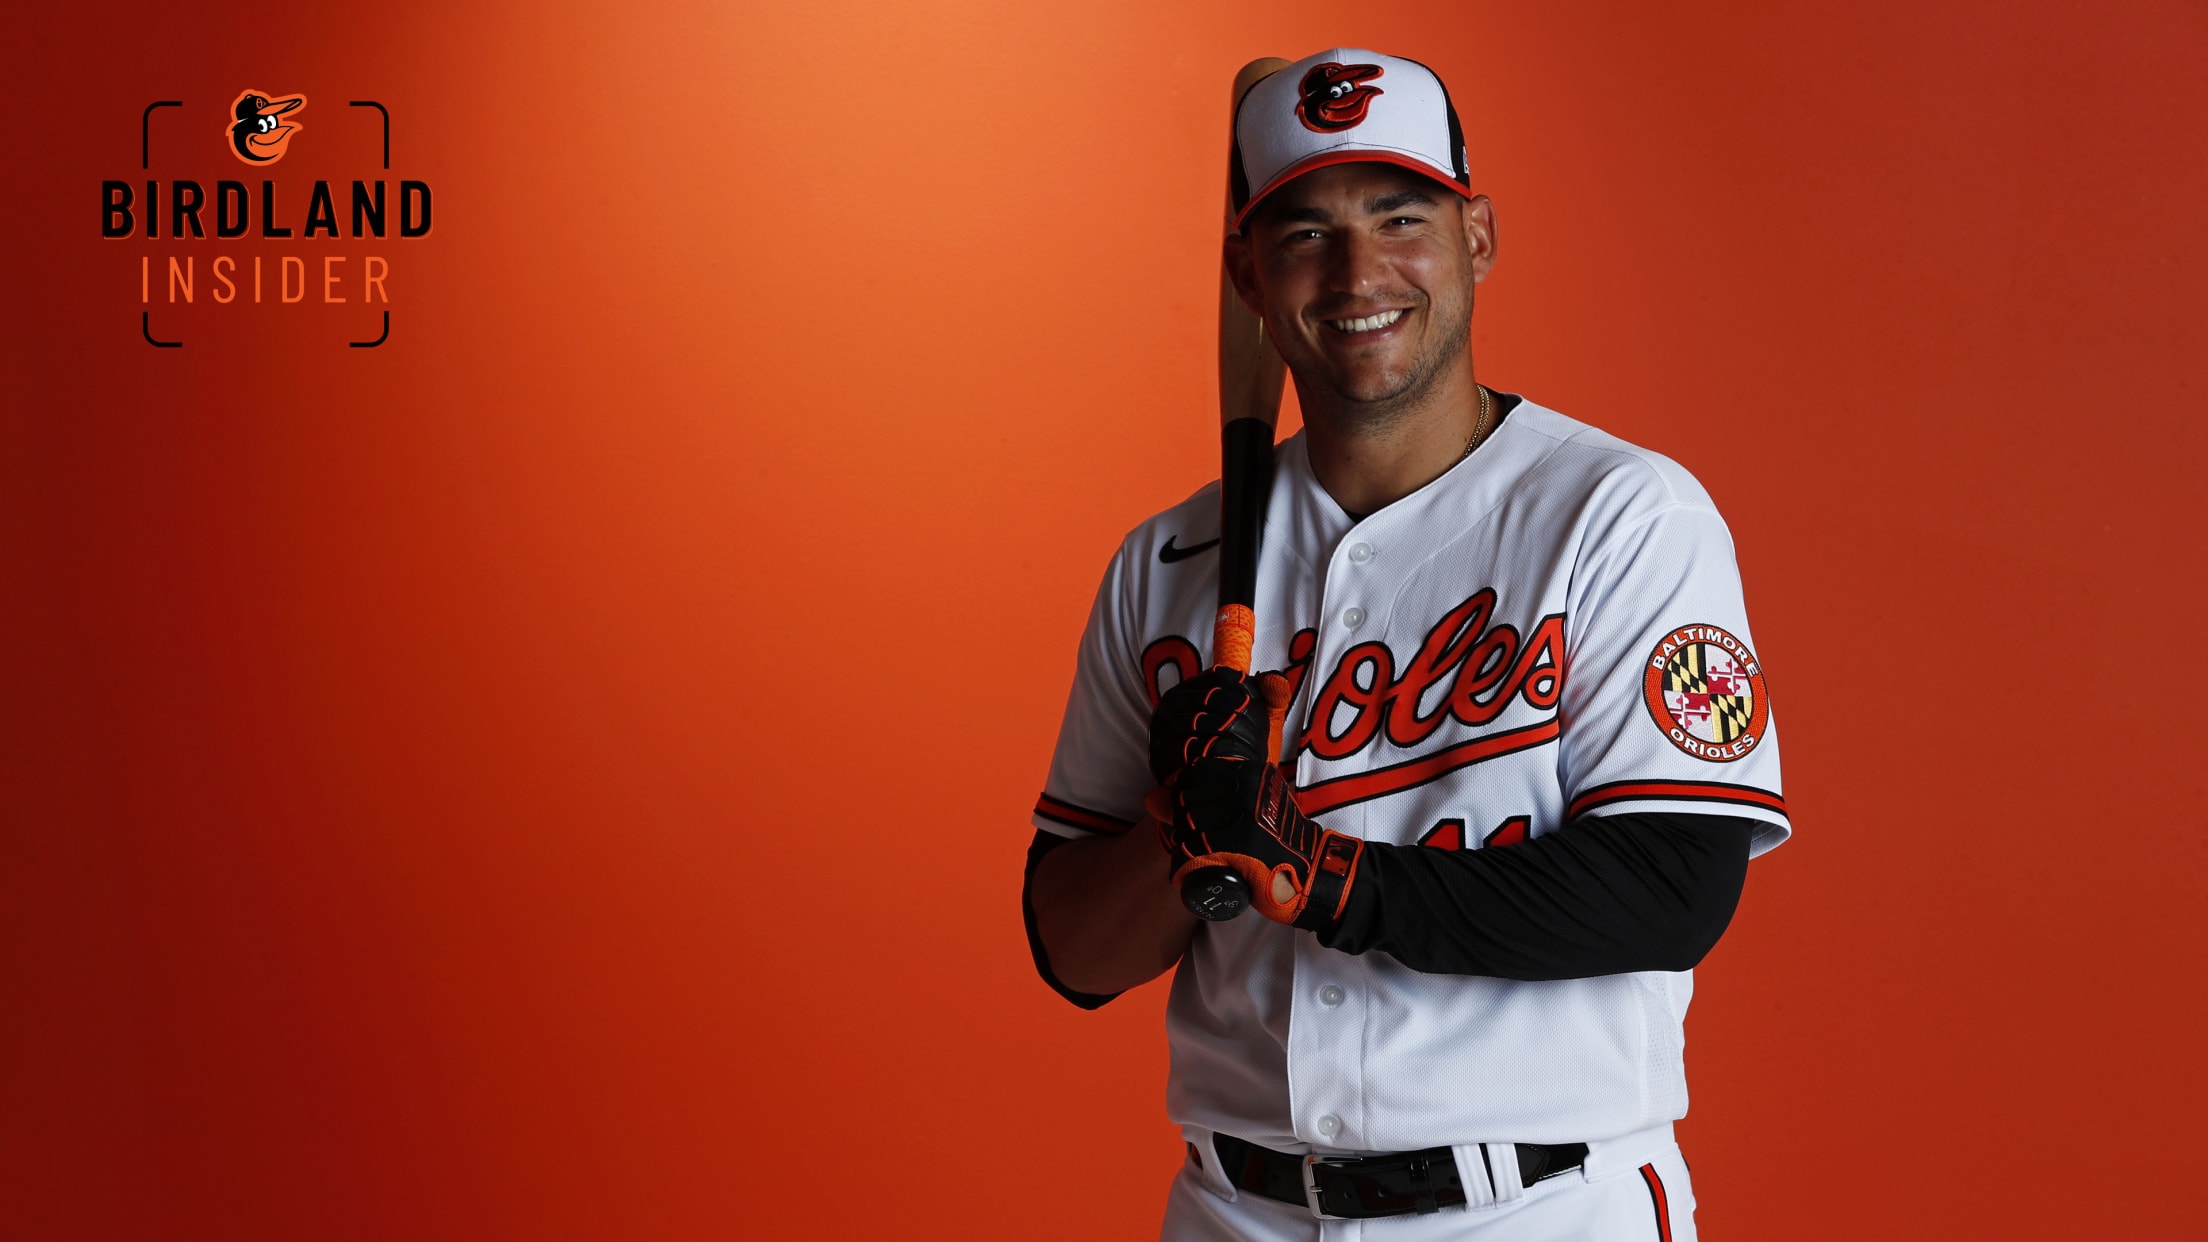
<point>1232,632</point>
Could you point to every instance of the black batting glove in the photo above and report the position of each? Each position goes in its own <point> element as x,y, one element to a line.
<point>1213,715</point>
<point>1242,814</point>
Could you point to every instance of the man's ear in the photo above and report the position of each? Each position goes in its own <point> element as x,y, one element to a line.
<point>1478,218</point>
<point>1242,270</point>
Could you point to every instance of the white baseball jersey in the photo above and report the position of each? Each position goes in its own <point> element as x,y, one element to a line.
<point>1553,628</point>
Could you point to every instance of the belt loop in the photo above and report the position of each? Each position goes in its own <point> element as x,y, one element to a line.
<point>1502,1159</point>
<point>1479,1188</point>
<point>1213,1173</point>
<point>1628,1152</point>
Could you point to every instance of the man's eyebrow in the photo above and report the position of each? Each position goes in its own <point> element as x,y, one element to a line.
<point>1398,200</point>
<point>1301,213</point>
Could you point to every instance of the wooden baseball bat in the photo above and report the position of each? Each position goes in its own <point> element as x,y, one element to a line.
<point>1250,375</point>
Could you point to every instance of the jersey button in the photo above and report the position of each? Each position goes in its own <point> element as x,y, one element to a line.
<point>1360,552</point>
<point>1352,618</point>
<point>1330,1125</point>
<point>1330,995</point>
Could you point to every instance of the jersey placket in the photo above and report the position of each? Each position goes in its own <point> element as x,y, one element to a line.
<point>1331,1008</point>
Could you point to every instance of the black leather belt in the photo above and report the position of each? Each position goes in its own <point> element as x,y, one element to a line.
<point>1356,1187</point>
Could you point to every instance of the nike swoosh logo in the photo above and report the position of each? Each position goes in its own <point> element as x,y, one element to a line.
<point>1169,554</point>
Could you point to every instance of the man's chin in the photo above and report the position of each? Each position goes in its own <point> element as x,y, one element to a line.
<point>1375,390</point>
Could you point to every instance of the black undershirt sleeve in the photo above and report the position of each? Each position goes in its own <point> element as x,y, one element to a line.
<point>1044,843</point>
<point>1605,895</point>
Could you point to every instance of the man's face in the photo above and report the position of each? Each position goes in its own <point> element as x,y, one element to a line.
<point>1364,273</point>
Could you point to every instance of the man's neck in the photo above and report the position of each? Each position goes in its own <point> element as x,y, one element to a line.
<point>1368,461</point>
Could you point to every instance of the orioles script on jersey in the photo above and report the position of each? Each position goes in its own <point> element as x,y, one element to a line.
<point>1469,668</point>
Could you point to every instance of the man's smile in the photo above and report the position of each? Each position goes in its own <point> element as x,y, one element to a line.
<point>1367,323</point>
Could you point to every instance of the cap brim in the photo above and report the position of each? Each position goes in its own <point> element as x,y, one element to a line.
<point>277,107</point>
<point>1349,155</point>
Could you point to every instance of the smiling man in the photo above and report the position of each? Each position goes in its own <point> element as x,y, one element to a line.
<point>1528,749</point>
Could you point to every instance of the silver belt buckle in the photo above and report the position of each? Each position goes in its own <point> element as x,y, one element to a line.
<point>1311,1189</point>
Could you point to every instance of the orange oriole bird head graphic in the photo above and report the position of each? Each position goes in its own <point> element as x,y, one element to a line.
<point>1334,96</point>
<point>261,132</point>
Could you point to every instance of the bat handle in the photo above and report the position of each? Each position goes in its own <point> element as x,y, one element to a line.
<point>1215,894</point>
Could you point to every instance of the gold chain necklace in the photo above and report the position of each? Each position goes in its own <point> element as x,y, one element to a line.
<point>1479,426</point>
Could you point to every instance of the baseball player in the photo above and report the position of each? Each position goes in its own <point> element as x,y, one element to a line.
<point>1526,756</point>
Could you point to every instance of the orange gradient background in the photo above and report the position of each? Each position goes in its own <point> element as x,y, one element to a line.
<point>564,773</point>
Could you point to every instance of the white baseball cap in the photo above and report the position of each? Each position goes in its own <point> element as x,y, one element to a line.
<point>1342,106</point>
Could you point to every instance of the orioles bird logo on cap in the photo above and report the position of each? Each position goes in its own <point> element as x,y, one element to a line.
<point>1334,97</point>
<point>258,137</point>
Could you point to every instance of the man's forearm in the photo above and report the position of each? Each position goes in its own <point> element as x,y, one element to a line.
<point>1633,892</point>
<point>1105,911</point>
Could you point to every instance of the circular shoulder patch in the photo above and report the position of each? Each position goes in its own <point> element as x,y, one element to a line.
<point>1705,690</point>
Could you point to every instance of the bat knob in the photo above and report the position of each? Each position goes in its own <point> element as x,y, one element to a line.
<point>1215,894</point>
